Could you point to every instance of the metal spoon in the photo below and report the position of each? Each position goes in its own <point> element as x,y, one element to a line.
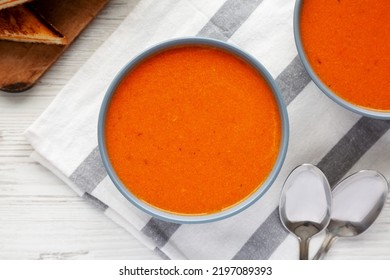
<point>357,202</point>
<point>305,205</point>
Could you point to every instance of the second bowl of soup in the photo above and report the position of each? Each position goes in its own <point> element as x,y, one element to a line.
<point>345,47</point>
<point>193,130</point>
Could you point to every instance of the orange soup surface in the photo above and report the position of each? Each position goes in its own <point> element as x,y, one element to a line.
<point>193,130</point>
<point>347,43</point>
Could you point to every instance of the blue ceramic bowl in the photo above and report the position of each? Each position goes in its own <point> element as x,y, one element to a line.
<point>350,106</point>
<point>177,218</point>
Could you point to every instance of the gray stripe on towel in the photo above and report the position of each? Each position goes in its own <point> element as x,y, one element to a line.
<point>226,21</point>
<point>335,164</point>
<point>94,201</point>
<point>265,240</point>
<point>161,253</point>
<point>359,139</point>
<point>292,80</point>
<point>159,231</point>
<point>90,172</point>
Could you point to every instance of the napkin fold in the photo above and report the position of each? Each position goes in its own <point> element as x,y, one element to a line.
<point>64,137</point>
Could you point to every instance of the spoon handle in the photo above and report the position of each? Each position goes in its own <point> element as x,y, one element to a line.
<point>304,248</point>
<point>329,240</point>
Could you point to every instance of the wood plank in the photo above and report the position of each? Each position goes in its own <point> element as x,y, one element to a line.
<point>42,218</point>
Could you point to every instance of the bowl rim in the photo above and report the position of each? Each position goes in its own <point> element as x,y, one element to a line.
<point>372,113</point>
<point>178,218</point>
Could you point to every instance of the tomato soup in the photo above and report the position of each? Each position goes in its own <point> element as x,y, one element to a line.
<point>193,130</point>
<point>347,43</point>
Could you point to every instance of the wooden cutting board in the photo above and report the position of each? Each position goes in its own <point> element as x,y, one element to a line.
<point>22,64</point>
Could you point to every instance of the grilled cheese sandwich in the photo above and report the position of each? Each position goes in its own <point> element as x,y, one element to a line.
<point>23,24</point>
<point>10,3</point>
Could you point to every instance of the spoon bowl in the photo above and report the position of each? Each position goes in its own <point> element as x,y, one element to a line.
<point>357,203</point>
<point>305,204</point>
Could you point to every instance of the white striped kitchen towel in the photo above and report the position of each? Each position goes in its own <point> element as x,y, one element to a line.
<point>339,142</point>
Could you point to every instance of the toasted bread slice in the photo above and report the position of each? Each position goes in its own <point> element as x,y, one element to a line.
<point>10,3</point>
<point>23,24</point>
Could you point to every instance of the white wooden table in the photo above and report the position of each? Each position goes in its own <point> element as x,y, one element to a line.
<point>41,218</point>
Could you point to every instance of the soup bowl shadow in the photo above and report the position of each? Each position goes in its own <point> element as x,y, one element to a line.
<point>317,80</point>
<point>184,218</point>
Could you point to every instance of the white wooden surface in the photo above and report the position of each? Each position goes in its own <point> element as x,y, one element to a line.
<point>41,218</point>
